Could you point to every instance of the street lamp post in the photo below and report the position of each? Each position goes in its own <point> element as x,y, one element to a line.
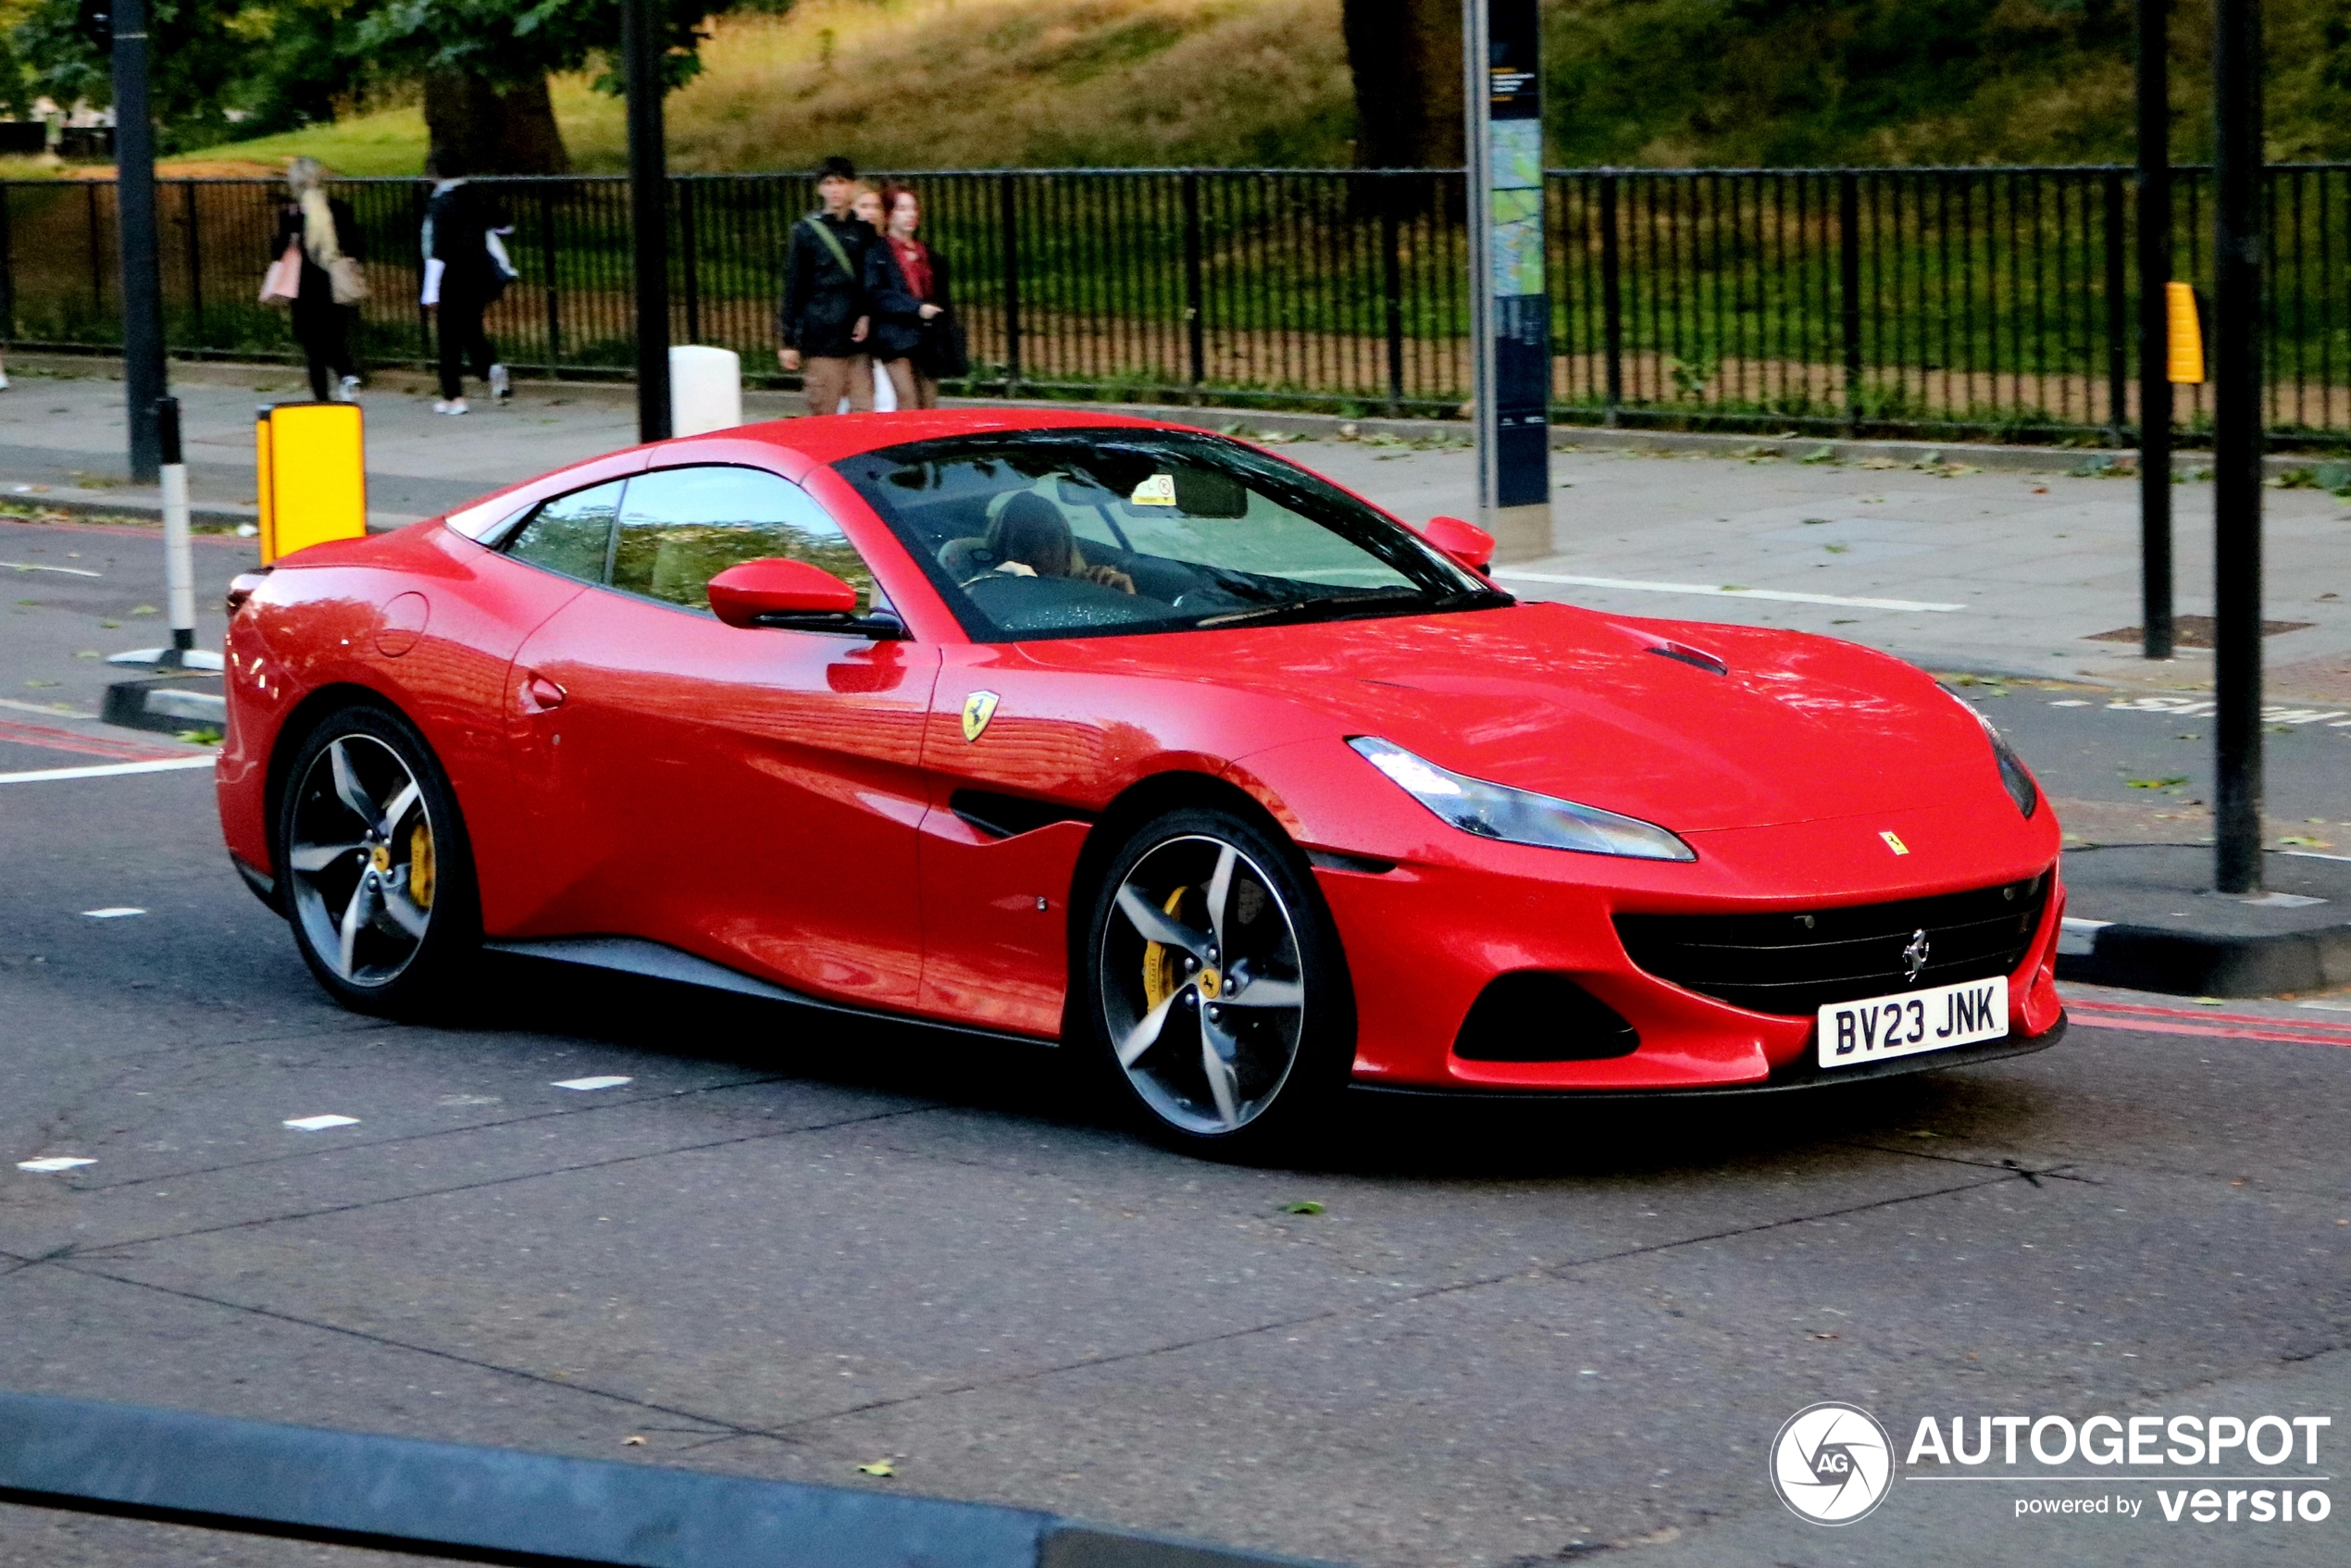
<point>2237,442</point>
<point>134,144</point>
<point>2155,272</point>
<point>641,51</point>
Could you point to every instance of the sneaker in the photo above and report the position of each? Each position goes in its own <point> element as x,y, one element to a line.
<point>441,406</point>
<point>455,405</point>
<point>500,387</point>
<point>4,380</point>
<point>350,389</point>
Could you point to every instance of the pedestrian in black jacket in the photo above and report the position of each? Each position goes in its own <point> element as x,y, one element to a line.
<point>914,323</point>
<point>824,317</point>
<point>323,230</point>
<point>465,272</point>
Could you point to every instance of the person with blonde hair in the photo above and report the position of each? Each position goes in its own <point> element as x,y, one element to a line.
<point>321,230</point>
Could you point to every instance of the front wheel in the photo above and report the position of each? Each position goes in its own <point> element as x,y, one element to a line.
<point>1215,993</point>
<point>373,859</point>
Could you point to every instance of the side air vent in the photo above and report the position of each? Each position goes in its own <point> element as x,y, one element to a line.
<point>1531,1015</point>
<point>1005,817</point>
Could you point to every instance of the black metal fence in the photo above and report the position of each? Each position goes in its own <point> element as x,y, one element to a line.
<point>1960,301</point>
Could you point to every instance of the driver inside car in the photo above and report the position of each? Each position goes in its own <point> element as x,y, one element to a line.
<point>1030,538</point>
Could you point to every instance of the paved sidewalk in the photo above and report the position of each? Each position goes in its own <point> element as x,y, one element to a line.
<point>2001,572</point>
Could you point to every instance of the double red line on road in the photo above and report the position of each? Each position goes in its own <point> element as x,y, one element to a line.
<point>2153,1020</point>
<point>15,733</point>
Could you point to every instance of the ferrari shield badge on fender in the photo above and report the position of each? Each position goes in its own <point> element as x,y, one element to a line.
<point>1893,840</point>
<point>979,708</point>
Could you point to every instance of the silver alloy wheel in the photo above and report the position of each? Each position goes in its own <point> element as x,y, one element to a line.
<point>360,860</point>
<point>1201,985</point>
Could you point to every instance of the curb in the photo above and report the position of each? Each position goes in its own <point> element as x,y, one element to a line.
<point>222,514</point>
<point>2152,958</point>
<point>772,404</point>
<point>505,1505</point>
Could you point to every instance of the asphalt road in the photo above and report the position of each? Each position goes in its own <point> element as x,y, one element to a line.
<point>790,1247</point>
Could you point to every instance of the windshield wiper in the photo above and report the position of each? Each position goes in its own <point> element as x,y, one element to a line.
<point>1331,606</point>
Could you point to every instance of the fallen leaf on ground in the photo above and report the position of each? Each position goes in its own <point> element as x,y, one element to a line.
<point>881,1467</point>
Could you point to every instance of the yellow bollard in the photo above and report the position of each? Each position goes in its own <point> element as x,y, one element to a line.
<point>2183,354</point>
<point>311,462</point>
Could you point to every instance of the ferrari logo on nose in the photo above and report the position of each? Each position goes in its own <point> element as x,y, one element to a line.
<point>979,708</point>
<point>1893,840</point>
<point>1914,956</point>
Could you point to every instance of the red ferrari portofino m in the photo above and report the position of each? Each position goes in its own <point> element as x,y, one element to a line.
<point>1068,727</point>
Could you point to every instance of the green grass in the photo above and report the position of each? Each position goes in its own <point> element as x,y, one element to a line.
<point>951,83</point>
<point>391,142</point>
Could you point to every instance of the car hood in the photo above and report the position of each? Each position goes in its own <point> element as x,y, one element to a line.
<point>1548,697</point>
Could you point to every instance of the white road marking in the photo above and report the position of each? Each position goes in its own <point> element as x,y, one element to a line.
<point>53,1165</point>
<point>591,1083</point>
<point>107,770</point>
<point>115,912</point>
<point>36,567</point>
<point>1729,593</point>
<point>2072,703</point>
<point>2203,708</point>
<point>53,710</point>
<point>321,1123</point>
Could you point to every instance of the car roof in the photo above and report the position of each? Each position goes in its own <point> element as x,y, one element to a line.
<point>847,435</point>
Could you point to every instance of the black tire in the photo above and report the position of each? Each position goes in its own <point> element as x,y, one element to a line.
<point>1264,991</point>
<point>408,902</point>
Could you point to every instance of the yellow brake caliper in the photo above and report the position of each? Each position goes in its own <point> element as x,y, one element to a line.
<point>420,868</point>
<point>1162,966</point>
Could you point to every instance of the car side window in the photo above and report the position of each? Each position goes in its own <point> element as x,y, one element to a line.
<point>681,527</point>
<point>571,534</point>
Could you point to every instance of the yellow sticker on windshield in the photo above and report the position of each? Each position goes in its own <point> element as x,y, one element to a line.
<point>1157,491</point>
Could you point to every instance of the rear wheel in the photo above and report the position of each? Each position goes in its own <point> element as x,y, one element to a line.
<point>378,880</point>
<point>1216,994</point>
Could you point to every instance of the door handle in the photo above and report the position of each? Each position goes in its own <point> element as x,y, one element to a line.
<point>541,695</point>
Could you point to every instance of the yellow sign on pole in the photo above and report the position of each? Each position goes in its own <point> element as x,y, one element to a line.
<point>312,475</point>
<point>2183,353</point>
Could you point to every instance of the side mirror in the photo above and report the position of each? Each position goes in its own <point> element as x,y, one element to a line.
<point>1464,541</point>
<point>777,592</point>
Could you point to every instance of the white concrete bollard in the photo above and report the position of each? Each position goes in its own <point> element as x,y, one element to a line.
<point>706,390</point>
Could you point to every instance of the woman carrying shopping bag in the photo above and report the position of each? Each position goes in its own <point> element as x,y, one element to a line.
<point>916,341</point>
<point>314,272</point>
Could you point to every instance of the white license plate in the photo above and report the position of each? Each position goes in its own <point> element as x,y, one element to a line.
<point>1937,1018</point>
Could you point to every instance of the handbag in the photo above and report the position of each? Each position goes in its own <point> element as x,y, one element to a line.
<point>350,281</point>
<point>942,354</point>
<point>282,283</point>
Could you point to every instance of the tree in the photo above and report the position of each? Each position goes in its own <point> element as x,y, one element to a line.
<point>484,65</point>
<point>207,60</point>
<point>1406,58</point>
<point>242,67</point>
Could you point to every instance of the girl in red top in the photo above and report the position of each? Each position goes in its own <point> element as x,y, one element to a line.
<point>915,339</point>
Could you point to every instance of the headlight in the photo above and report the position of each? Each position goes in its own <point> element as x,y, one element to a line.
<point>1518,817</point>
<point>2014,776</point>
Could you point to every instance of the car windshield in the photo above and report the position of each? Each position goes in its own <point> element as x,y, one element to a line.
<point>1072,533</point>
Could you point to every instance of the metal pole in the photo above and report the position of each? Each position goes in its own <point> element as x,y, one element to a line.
<point>134,141</point>
<point>641,45</point>
<point>1008,204</point>
<point>179,556</point>
<point>1848,289</point>
<point>2236,441</point>
<point>2154,270</point>
<point>1611,299</point>
<point>1195,327</point>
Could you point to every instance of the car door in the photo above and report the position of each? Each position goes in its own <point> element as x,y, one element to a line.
<point>751,795</point>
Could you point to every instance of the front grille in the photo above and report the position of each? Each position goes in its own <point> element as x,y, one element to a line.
<point>1796,963</point>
